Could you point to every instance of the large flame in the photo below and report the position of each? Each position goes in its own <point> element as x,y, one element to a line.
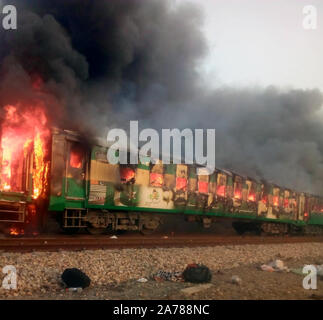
<point>24,132</point>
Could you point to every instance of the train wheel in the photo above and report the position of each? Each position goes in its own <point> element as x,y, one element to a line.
<point>238,228</point>
<point>147,232</point>
<point>150,225</point>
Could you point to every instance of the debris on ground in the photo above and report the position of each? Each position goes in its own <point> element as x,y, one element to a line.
<point>168,276</point>
<point>142,280</point>
<point>236,280</point>
<point>75,278</point>
<point>39,272</point>
<point>196,289</point>
<point>266,267</point>
<point>197,273</point>
<point>276,265</point>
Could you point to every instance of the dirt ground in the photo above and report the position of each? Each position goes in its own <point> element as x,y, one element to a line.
<point>255,284</point>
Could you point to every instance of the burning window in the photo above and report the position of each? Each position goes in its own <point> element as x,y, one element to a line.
<point>76,157</point>
<point>276,192</point>
<point>238,188</point>
<point>276,201</point>
<point>181,184</point>
<point>221,186</point>
<point>203,184</point>
<point>181,177</point>
<point>24,137</point>
<point>251,191</point>
<point>156,175</point>
<point>127,175</point>
<point>156,179</point>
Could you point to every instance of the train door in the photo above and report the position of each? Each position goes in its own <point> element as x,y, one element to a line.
<point>76,172</point>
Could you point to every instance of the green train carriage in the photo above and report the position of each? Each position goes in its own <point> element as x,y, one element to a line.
<point>86,191</point>
<point>100,195</point>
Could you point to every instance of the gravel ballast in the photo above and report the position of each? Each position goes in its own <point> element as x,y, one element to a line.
<point>39,272</point>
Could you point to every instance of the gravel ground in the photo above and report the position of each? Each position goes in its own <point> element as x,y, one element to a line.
<point>114,272</point>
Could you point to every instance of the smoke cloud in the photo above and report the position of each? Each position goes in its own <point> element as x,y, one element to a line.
<point>99,64</point>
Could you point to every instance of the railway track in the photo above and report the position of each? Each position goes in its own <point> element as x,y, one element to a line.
<point>81,242</point>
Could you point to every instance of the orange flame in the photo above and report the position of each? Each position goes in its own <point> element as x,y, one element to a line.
<point>237,194</point>
<point>23,132</point>
<point>75,160</point>
<point>220,191</point>
<point>16,231</point>
<point>275,201</point>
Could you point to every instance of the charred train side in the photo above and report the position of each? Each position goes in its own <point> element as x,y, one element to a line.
<point>82,190</point>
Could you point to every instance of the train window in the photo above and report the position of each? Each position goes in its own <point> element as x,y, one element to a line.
<point>156,179</point>
<point>76,157</point>
<point>237,187</point>
<point>203,180</point>
<point>276,197</point>
<point>181,177</point>
<point>251,191</point>
<point>157,175</point>
<point>203,184</point>
<point>127,174</point>
<point>264,194</point>
<point>221,185</point>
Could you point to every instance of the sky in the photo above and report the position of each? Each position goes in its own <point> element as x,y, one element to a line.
<point>262,43</point>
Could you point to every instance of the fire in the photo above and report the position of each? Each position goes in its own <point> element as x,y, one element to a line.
<point>286,203</point>
<point>237,194</point>
<point>75,160</point>
<point>127,174</point>
<point>275,201</point>
<point>156,179</point>
<point>252,197</point>
<point>16,231</point>
<point>220,191</point>
<point>23,133</point>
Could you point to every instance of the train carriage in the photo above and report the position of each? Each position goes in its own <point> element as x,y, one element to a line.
<point>81,189</point>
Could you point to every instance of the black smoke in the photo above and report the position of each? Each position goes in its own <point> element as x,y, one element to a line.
<point>104,63</point>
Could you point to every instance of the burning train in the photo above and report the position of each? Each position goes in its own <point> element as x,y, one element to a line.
<point>50,174</point>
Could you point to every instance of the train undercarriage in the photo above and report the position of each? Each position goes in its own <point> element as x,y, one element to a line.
<point>29,221</point>
<point>147,223</point>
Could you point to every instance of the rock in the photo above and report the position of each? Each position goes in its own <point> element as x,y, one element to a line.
<point>277,264</point>
<point>74,278</point>
<point>236,280</point>
<point>266,267</point>
<point>195,289</point>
